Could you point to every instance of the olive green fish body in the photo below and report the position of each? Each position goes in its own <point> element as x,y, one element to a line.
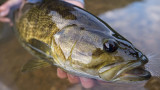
<point>78,42</point>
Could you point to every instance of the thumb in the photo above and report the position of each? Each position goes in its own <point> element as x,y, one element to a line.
<point>4,10</point>
<point>4,13</point>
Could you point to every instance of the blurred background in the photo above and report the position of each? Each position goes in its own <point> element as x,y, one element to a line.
<point>136,20</point>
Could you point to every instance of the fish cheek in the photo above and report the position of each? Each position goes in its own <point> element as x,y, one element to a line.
<point>108,73</point>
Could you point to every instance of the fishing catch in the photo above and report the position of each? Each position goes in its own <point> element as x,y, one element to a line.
<point>64,35</point>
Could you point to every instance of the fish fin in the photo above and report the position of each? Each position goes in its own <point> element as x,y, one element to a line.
<point>40,48</point>
<point>35,64</point>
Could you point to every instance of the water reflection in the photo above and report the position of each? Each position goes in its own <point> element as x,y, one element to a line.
<point>139,23</point>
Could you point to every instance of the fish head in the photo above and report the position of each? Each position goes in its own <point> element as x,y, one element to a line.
<point>111,55</point>
<point>127,62</point>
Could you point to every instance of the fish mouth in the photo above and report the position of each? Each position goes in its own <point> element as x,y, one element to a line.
<point>137,74</point>
<point>125,71</point>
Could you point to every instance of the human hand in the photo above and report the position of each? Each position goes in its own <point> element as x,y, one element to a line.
<point>86,83</point>
<point>5,9</point>
<point>80,4</point>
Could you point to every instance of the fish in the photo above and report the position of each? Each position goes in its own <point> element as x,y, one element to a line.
<point>61,34</point>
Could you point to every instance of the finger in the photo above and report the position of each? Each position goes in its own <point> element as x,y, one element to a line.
<point>4,19</point>
<point>75,3</point>
<point>4,13</point>
<point>61,74</point>
<point>86,83</point>
<point>72,79</point>
<point>4,10</point>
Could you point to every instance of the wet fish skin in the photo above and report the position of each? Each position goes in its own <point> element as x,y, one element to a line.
<point>78,42</point>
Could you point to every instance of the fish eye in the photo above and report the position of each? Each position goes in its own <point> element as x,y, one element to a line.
<point>110,46</point>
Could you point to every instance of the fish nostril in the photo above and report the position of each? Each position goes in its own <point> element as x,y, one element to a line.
<point>144,59</point>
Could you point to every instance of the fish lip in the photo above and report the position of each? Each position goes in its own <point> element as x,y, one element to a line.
<point>125,75</point>
<point>119,71</point>
<point>134,77</point>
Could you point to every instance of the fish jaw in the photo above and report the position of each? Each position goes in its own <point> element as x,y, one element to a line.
<point>125,71</point>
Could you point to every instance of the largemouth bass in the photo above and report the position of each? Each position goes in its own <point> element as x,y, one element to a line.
<point>64,35</point>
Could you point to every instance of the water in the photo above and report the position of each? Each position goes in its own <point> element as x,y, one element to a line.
<point>137,21</point>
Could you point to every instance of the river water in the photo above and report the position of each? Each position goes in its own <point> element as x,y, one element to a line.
<point>138,21</point>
